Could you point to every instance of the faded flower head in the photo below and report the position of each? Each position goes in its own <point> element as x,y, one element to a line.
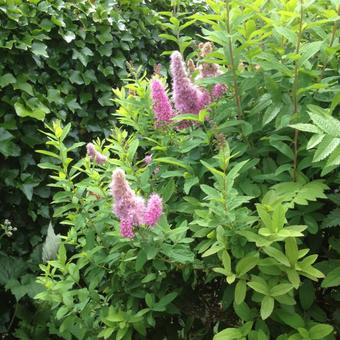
<point>205,48</point>
<point>191,66</point>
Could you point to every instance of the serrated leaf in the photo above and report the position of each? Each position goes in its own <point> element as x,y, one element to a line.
<point>307,128</point>
<point>332,219</point>
<point>308,50</point>
<point>325,148</point>
<point>329,124</point>
<point>314,141</point>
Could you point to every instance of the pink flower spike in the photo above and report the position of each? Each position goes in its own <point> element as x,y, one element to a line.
<point>160,103</point>
<point>148,159</point>
<point>188,98</point>
<point>128,207</point>
<point>126,229</point>
<point>100,158</point>
<point>153,210</point>
<point>95,155</point>
<point>91,151</point>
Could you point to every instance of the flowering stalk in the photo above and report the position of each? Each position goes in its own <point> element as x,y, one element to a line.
<point>161,104</point>
<point>188,98</point>
<point>130,208</point>
<point>232,64</point>
<point>295,90</point>
<point>95,155</point>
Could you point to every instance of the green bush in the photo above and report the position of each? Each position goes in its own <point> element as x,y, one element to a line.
<point>59,59</point>
<point>247,247</point>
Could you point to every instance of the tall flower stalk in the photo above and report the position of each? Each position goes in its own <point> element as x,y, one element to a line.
<point>232,63</point>
<point>295,90</point>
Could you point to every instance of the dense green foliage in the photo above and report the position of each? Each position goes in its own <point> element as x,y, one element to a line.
<point>59,59</point>
<point>248,246</point>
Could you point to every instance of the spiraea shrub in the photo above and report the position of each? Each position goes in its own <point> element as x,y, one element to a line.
<point>59,59</point>
<point>212,208</point>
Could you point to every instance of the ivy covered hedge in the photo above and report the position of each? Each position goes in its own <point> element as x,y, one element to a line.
<point>59,59</point>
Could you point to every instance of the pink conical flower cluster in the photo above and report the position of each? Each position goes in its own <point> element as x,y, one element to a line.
<point>130,208</point>
<point>153,210</point>
<point>95,155</point>
<point>187,97</point>
<point>161,104</point>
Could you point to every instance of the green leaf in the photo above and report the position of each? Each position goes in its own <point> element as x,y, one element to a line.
<point>150,300</point>
<point>332,219</point>
<point>76,78</point>
<point>165,300</point>
<point>267,306</point>
<point>106,333</point>
<point>172,161</point>
<point>259,287</point>
<point>278,217</point>
<point>38,112</point>
<point>189,183</point>
<point>291,250</point>
<point>213,250</point>
<point>246,264</point>
<point>325,148</point>
<point>7,79</point>
<point>270,114</point>
<point>280,289</point>
<point>69,36</point>
<point>240,291</point>
<point>307,294</point>
<point>328,124</point>
<point>229,333</point>
<point>320,331</point>
<point>141,259</point>
<point>277,255</point>
<point>332,279</point>
<point>308,50</point>
<point>307,128</point>
<point>39,49</point>
<point>291,319</point>
<point>212,169</point>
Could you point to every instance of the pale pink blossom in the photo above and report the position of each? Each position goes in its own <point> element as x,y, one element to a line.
<point>153,210</point>
<point>128,206</point>
<point>188,98</point>
<point>148,159</point>
<point>95,155</point>
<point>160,103</point>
